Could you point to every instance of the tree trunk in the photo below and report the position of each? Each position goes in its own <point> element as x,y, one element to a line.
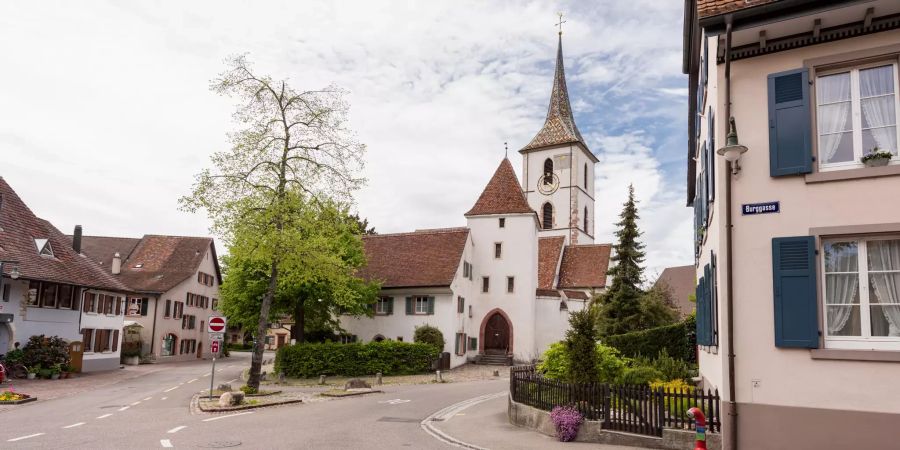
<point>256,361</point>
<point>298,331</point>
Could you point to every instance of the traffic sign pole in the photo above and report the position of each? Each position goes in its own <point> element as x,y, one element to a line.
<point>212,377</point>
<point>215,326</point>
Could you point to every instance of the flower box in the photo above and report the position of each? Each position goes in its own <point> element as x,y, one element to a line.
<point>19,399</point>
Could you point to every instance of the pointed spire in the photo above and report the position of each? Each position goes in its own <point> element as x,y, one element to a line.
<point>502,195</point>
<point>559,127</point>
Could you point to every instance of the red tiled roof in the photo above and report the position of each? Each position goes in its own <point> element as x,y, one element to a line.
<point>584,266</point>
<point>680,282</point>
<point>707,8</point>
<point>164,261</point>
<point>549,250</point>
<point>576,295</point>
<point>426,258</point>
<point>502,195</point>
<point>20,227</point>
<point>546,293</point>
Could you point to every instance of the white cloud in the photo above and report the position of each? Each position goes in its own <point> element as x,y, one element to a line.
<point>107,113</point>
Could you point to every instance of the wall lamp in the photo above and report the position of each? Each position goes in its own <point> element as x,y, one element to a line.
<point>732,151</point>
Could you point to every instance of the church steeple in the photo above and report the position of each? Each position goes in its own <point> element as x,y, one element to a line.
<point>559,127</point>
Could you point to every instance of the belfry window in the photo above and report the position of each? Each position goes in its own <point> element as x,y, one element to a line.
<point>585,219</point>
<point>547,211</point>
<point>585,179</point>
<point>548,171</point>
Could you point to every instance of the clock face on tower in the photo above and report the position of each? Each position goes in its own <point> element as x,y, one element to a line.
<point>548,183</point>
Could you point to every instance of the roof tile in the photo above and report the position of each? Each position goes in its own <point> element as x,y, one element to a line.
<point>502,195</point>
<point>549,251</point>
<point>584,266</point>
<point>708,8</point>
<point>427,258</point>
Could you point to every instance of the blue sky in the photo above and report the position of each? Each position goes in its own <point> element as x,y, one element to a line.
<point>107,113</point>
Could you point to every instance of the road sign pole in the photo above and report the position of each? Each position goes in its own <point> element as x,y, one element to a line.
<point>212,377</point>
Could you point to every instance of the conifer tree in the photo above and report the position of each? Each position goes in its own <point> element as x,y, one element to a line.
<point>619,310</point>
<point>581,349</point>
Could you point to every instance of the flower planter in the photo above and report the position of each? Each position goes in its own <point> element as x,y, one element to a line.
<point>132,360</point>
<point>31,375</point>
<point>25,399</point>
<point>877,162</point>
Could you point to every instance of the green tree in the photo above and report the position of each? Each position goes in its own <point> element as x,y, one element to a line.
<point>428,334</point>
<point>656,307</point>
<point>581,349</point>
<point>619,310</point>
<point>291,148</point>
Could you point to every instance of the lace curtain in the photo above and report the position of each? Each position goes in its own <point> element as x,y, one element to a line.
<point>840,288</point>
<point>876,92</point>
<point>885,256</point>
<point>833,93</point>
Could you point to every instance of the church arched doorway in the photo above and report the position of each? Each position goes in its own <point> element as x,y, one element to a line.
<point>496,333</point>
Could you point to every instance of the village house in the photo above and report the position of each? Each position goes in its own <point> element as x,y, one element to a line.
<point>797,232</point>
<point>176,280</point>
<point>50,289</point>
<point>501,288</point>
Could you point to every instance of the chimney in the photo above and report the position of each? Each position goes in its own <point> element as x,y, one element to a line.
<point>116,264</point>
<point>76,239</point>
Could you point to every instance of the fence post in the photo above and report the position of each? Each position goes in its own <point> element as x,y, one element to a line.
<point>606,403</point>
<point>661,410</point>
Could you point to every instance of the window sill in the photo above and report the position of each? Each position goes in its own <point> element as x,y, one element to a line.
<point>855,355</point>
<point>853,174</point>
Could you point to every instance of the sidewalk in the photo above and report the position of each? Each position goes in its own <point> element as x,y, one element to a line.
<point>486,425</point>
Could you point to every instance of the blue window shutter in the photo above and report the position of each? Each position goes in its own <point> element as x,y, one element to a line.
<point>430,305</point>
<point>790,148</point>
<point>794,279</point>
<point>707,292</point>
<point>409,306</point>
<point>701,312</point>
<point>390,305</point>
<point>711,138</point>
<point>713,300</point>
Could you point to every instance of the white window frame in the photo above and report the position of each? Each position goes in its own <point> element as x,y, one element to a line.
<point>381,305</point>
<point>866,341</point>
<point>856,114</point>
<point>420,305</point>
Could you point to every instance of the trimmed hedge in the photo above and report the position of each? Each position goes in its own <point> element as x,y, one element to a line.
<point>355,359</point>
<point>679,340</point>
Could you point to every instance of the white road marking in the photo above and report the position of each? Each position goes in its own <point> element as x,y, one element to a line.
<point>225,417</point>
<point>232,381</point>
<point>24,437</point>
<point>164,398</point>
<point>136,403</point>
<point>220,370</point>
<point>172,388</point>
<point>395,401</point>
<point>148,398</point>
<point>104,416</point>
<point>177,429</point>
<point>165,443</point>
<point>191,381</point>
<point>205,374</point>
<point>450,411</point>
<point>124,408</point>
<point>74,425</point>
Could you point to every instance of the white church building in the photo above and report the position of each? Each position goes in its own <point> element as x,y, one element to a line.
<point>501,288</point>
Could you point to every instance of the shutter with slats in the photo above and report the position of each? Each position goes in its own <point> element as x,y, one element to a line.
<point>794,285</point>
<point>711,150</point>
<point>390,305</point>
<point>409,306</point>
<point>708,293</point>
<point>713,300</point>
<point>430,305</point>
<point>144,302</point>
<point>700,315</point>
<point>115,346</point>
<point>790,148</point>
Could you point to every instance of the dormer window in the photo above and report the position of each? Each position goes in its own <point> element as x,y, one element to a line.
<point>43,247</point>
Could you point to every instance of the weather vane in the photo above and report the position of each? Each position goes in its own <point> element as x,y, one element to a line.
<point>561,21</point>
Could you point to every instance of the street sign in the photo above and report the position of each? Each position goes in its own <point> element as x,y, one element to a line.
<point>216,324</point>
<point>216,336</point>
<point>749,209</point>
<point>214,347</point>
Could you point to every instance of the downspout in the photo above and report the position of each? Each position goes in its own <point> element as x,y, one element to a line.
<point>732,404</point>
<point>153,330</point>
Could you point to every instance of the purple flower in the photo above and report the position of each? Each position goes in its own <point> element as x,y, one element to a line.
<point>567,420</point>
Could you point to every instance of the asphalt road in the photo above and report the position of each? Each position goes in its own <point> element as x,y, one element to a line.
<point>152,411</point>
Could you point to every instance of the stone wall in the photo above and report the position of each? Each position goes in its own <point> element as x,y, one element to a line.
<point>592,431</point>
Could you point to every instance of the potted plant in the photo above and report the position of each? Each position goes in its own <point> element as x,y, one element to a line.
<point>33,371</point>
<point>44,373</point>
<point>55,370</point>
<point>876,157</point>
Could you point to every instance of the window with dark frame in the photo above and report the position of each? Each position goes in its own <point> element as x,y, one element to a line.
<point>510,284</point>
<point>498,250</point>
<point>502,222</point>
<point>6,292</point>
<point>547,212</point>
<point>585,219</point>
<point>548,171</point>
<point>168,312</point>
<point>87,335</point>
<point>585,176</point>
<point>48,295</point>
<point>460,305</point>
<point>485,284</point>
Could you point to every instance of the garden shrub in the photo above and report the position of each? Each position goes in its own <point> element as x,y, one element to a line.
<point>679,340</point>
<point>555,363</point>
<point>581,349</point>
<point>428,334</point>
<point>249,390</point>
<point>567,421</point>
<point>640,375</point>
<point>673,369</point>
<point>674,405</point>
<point>45,351</point>
<point>331,358</point>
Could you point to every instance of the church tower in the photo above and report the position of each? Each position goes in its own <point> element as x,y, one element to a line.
<point>558,176</point>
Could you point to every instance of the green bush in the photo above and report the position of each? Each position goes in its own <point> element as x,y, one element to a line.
<point>555,363</point>
<point>239,347</point>
<point>249,390</point>
<point>581,348</point>
<point>45,351</point>
<point>640,375</point>
<point>330,358</point>
<point>428,334</point>
<point>678,340</point>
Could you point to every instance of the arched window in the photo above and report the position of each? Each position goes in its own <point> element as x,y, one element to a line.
<point>548,216</point>
<point>548,171</point>
<point>585,178</point>
<point>585,220</point>
<point>378,338</point>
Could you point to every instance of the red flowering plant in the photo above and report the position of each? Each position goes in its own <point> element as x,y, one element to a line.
<point>567,420</point>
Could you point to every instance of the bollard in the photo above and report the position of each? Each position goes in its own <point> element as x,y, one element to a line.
<point>378,379</point>
<point>700,424</point>
<point>321,379</point>
<point>437,376</point>
<point>281,377</point>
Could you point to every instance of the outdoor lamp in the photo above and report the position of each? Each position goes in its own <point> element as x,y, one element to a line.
<point>732,151</point>
<point>14,273</point>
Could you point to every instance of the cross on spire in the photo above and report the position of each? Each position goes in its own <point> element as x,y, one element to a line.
<point>561,21</point>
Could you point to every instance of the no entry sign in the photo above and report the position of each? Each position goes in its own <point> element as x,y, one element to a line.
<point>216,324</point>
